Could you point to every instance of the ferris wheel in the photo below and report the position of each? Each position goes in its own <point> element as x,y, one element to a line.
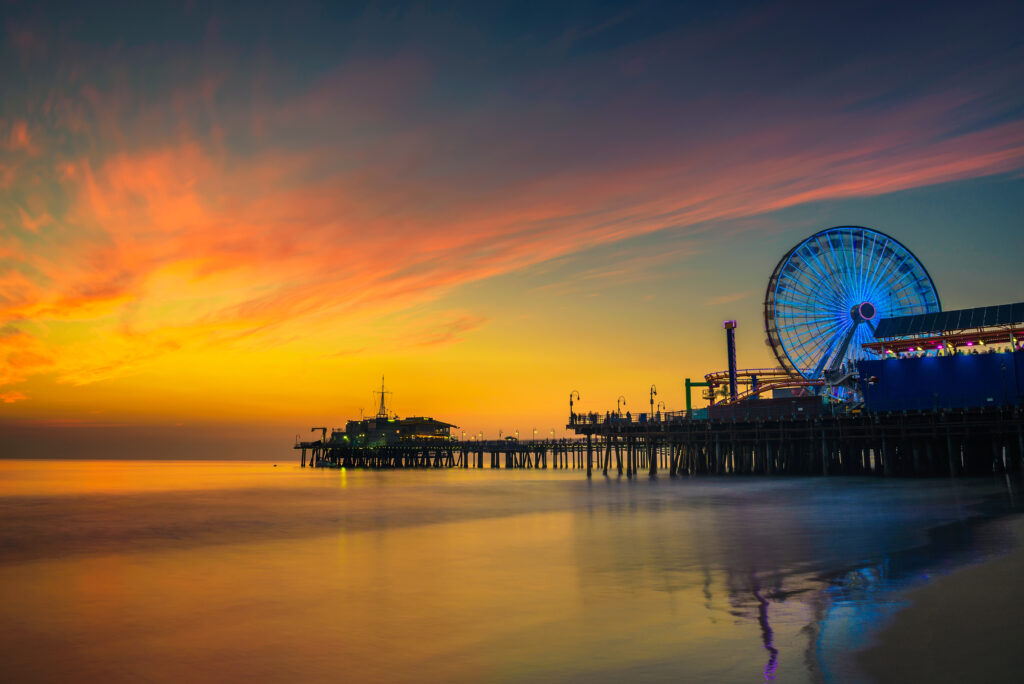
<point>828,293</point>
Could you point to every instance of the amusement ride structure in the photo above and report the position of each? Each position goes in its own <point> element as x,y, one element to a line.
<point>823,301</point>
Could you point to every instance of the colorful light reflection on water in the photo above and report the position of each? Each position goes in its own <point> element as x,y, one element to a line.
<point>168,571</point>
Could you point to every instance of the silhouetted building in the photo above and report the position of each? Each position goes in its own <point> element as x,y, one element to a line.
<point>381,430</point>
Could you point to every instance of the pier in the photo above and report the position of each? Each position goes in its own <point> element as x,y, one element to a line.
<point>916,443</point>
<point>563,454</point>
<point>920,443</point>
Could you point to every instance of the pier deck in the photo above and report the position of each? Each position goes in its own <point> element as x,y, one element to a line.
<point>921,443</point>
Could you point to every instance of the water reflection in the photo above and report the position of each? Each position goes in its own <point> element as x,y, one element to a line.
<point>766,636</point>
<point>464,576</point>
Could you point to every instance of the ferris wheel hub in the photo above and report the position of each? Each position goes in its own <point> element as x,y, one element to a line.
<point>864,311</point>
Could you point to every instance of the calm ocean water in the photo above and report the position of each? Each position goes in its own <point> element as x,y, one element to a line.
<point>228,571</point>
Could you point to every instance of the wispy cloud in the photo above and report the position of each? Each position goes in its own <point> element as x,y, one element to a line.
<point>730,298</point>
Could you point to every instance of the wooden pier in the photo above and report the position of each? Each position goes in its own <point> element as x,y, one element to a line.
<point>917,444</point>
<point>434,453</point>
<point>920,443</point>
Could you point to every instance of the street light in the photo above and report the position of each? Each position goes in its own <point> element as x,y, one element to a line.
<point>620,402</point>
<point>576,392</point>
<point>661,406</point>
<point>654,393</point>
<point>534,434</point>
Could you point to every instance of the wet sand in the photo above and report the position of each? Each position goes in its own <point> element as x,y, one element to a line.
<point>964,627</point>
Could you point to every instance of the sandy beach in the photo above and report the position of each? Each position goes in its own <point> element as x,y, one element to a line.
<point>963,627</point>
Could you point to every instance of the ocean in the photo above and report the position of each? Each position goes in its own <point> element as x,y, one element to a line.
<point>229,571</point>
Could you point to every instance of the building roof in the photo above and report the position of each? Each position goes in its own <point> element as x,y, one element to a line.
<point>424,419</point>
<point>950,321</point>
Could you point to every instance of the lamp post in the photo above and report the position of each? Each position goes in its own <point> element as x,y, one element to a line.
<point>517,435</point>
<point>534,434</point>
<point>661,407</point>
<point>571,415</point>
<point>654,393</point>
<point>620,402</point>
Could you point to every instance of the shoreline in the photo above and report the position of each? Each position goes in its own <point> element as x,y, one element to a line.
<point>959,627</point>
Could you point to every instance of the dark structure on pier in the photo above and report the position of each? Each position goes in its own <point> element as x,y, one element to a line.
<point>384,431</point>
<point>385,440</point>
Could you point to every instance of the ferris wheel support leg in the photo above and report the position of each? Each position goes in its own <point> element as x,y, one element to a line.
<point>837,360</point>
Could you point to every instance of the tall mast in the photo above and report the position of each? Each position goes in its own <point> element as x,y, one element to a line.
<point>382,411</point>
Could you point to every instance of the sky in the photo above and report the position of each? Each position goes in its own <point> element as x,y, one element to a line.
<point>221,224</point>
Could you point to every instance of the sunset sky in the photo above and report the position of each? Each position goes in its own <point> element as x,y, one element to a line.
<point>220,225</point>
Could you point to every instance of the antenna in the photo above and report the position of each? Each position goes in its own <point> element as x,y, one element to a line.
<point>382,411</point>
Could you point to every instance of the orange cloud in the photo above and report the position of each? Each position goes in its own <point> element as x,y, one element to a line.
<point>34,224</point>
<point>21,356</point>
<point>11,397</point>
<point>19,139</point>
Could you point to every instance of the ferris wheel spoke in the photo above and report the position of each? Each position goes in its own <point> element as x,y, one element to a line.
<point>853,259</point>
<point>806,302</point>
<point>809,301</point>
<point>872,254</point>
<point>862,255</point>
<point>798,322</point>
<point>863,288</point>
<point>819,294</point>
<point>824,324</point>
<point>825,275</point>
<point>842,281</point>
<point>818,335</point>
<point>816,338</point>
<point>899,280</point>
<point>831,286</point>
<point>872,275</point>
<point>808,265</point>
<point>885,276</point>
